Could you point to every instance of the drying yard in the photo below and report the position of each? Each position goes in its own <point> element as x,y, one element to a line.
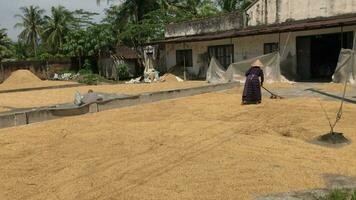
<point>200,147</point>
<point>190,148</point>
<point>36,98</point>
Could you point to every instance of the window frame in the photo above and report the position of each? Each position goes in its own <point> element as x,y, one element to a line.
<point>272,47</point>
<point>223,53</point>
<point>186,54</point>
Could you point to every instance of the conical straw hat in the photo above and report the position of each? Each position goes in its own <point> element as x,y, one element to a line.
<point>257,63</point>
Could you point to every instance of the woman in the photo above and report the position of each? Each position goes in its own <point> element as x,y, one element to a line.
<point>252,90</point>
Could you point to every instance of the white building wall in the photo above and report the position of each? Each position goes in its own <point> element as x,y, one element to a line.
<point>249,47</point>
<point>277,11</point>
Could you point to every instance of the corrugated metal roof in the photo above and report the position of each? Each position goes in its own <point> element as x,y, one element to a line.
<point>301,25</point>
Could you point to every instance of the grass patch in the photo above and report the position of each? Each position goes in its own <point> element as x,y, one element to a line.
<point>93,79</point>
<point>339,194</point>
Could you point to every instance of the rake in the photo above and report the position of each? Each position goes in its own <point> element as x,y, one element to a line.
<point>273,96</point>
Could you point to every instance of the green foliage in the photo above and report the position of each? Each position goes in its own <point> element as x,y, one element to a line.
<point>56,27</point>
<point>93,41</point>
<point>6,46</point>
<point>233,5</point>
<point>74,43</point>
<point>353,195</point>
<point>87,68</point>
<point>31,22</point>
<point>99,39</point>
<point>21,50</point>
<point>45,56</point>
<point>137,26</point>
<point>82,18</point>
<point>90,79</point>
<point>123,71</point>
<point>338,194</point>
<point>132,23</point>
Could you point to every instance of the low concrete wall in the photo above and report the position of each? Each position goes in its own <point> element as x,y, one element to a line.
<point>44,114</point>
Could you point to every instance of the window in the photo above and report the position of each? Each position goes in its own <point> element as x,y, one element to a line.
<point>223,53</point>
<point>270,48</point>
<point>184,57</point>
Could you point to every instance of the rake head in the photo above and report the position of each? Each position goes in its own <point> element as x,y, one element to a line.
<point>273,96</point>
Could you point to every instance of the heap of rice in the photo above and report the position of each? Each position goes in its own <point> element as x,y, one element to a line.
<point>170,78</point>
<point>21,77</point>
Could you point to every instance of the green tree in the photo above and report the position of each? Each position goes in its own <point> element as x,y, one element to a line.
<point>196,8</point>
<point>5,45</point>
<point>82,18</point>
<point>233,5</point>
<point>56,27</point>
<point>93,42</point>
<point>135,10</point>
<point>99,40</point>
<point>21,50</point>
<point>31,22</point>
<point>75,44</point>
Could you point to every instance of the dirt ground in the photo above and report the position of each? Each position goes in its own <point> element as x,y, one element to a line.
<point>66,95</point>
<point>202,147</point>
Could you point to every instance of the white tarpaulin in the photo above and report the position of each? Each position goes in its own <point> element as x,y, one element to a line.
<point>236,71</point>
<point>215,72</point>
<point>346,68</point>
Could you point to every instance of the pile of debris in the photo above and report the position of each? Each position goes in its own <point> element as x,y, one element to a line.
<point>155,78</point>
<point>65,76</point>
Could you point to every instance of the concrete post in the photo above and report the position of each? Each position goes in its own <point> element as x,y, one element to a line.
<point>20,119</point>
<point>93,108</point>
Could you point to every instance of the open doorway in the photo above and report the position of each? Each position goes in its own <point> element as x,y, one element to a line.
<point>317,55</point>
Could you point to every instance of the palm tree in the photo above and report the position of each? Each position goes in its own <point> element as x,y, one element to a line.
<point>31,22</point>
<point>135,10</point>
<point>5,45</point>
<point>57,26</point>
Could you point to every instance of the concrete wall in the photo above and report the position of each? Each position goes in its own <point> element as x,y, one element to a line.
<point>276,11</point>
<point>248,47</point>
<point>203,26</point>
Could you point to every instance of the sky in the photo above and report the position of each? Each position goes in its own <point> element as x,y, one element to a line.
<point>9,8</point>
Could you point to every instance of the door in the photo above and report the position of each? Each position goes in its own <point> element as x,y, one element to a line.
<point>303,57</point>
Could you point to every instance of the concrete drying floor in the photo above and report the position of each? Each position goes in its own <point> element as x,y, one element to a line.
<point>48,97</point>
<point>201,147</point>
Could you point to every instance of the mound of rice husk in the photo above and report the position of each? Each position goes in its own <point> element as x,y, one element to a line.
<point>177,71</point>
<point>21,77</point>
<point>168,77</point>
